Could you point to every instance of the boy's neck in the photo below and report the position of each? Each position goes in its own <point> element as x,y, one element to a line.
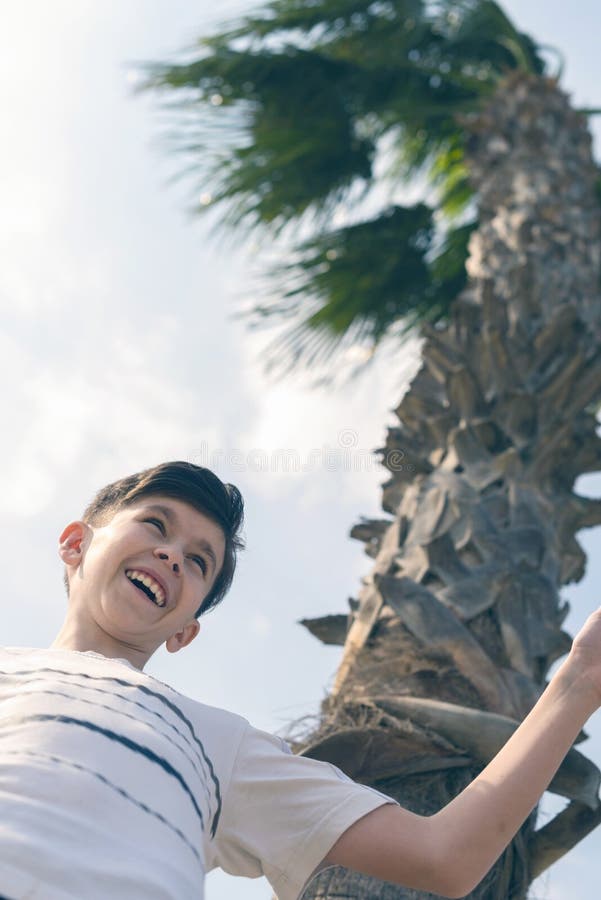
<point>73,637</point>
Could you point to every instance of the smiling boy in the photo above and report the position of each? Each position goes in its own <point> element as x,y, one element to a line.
<point>113,784</point>
<point>141,579</point>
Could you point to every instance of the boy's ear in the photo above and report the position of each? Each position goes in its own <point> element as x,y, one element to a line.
<point>182,638</point>
<point>73,542</point>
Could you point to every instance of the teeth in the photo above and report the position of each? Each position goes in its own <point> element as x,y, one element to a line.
<point>154,586</point>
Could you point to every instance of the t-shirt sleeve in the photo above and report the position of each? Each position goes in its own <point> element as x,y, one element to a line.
<point>282,813</point>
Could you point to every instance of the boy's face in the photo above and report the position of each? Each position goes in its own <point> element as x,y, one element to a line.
<point>166,541</point>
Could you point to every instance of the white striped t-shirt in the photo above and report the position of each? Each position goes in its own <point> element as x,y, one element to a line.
<point>113,784</point>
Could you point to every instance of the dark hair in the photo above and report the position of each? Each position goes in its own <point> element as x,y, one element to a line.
<point>192,484</point>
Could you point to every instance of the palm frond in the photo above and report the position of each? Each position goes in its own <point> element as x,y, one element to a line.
<point>479,31</point>
<point>355,284</point>
<point>307,95</point>
<point>302,149</point>
<point>322,18</point>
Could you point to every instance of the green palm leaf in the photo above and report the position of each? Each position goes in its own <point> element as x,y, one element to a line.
<point>355,285</point>
<point>304,108</point>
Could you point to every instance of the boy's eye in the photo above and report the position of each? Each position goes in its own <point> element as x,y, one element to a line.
<point>201,563</point>
<point>157,522</point>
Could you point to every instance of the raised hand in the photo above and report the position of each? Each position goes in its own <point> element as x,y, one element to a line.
<point>584,660</point>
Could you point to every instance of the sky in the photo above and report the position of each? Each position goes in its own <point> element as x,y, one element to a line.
<point>118,350</point>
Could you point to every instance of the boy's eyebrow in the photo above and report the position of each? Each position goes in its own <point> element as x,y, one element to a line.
<point>171,517</point>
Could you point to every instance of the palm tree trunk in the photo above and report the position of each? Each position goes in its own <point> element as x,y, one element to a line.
<point>456,627</point>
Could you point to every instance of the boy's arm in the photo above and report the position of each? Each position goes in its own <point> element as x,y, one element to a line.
<point>450,852</point>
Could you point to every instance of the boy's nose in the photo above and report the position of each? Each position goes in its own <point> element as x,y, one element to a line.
<point>163,555</point>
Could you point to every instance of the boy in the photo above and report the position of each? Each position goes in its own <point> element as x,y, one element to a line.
<point>114,785</point>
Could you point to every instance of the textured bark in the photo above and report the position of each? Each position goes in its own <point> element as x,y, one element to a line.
<point>462,606</point>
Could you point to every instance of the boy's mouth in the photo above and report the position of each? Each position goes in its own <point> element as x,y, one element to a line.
<point>148,586</point>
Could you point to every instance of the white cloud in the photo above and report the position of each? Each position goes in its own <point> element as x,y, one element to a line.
<point>123,409</point>
<point>322,439</point>
<point>260,625</point>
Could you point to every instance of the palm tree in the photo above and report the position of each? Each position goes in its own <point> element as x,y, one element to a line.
<point>305,109</point>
